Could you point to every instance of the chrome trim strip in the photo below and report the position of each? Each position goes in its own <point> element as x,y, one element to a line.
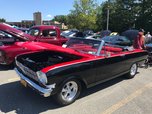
<point>45,92</point>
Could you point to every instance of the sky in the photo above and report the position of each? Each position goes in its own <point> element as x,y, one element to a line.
<point>17,10</point>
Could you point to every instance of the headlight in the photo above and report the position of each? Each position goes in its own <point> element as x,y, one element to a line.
<point>42,77</point>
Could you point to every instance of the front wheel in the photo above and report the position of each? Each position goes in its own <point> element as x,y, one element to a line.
<point>133,71</point>
<point>69,92</point>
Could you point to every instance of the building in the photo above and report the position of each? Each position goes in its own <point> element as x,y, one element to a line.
<point>23,23</point>
<point>37,21</point>
<point>37,18</point>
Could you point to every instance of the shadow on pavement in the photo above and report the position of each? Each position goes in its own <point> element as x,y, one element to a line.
<point>5,68</point>
<point>14,97</point>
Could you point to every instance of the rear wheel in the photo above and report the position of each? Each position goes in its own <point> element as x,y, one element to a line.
<point>133,71</point>
<point>69,92</point>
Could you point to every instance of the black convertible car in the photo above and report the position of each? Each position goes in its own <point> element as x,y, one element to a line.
<point>81,63</point>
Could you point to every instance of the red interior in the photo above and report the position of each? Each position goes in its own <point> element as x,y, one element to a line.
<point>105,49</point>
<point>111,49</point>
<point>83,47</point>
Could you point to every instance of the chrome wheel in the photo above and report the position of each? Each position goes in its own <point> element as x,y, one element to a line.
<point>133,69</point>
<point>132,72</point>
<point>69,91</point>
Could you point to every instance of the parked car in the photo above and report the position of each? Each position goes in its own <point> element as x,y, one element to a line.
<point>105,33</point>
<point>9,52</point>
<point>81,63</point>
<point>9,35</point>
<point>114,33</point>
<point>70,34</point>
<point>24,29</point>
<point>48,34</point>
<point>69,30</point>
<point>117,40</point>
<point>94,36</point>
<point>13,41</point>
<point>130,34</point>
<point>149,49</point>
<point>88,32</point>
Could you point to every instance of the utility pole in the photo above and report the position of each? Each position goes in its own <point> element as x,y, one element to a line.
<point>108,15</point>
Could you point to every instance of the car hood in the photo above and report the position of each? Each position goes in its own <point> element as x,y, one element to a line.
<point>45,46</point>
<point>34,46</point>
<point>16,32</point>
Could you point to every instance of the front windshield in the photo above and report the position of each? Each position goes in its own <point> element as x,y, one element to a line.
<point>89,46</point>
<point>33,32</point>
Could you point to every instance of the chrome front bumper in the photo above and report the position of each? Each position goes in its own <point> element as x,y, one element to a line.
<point>46,92</point>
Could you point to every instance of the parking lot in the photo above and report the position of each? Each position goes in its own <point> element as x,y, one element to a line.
<point>118,96</point>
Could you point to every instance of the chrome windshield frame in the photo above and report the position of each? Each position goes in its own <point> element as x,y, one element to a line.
<point>97,53</point>
<point>100,48</point>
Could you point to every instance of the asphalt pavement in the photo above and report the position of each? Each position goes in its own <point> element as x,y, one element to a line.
<point>118,96</point>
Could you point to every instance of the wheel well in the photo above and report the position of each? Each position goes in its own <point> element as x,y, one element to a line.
<point>83,84</point>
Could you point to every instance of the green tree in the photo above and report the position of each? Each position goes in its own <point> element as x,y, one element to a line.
<point>61,19</point>
<point>2,20</point>
<point>83,16</point>
<point>144,19</point>
<point>123,14</point>
<point>102,15</point>
<point>99,20</point>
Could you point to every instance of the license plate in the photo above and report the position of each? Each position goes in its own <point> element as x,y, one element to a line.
<point>23,83</point>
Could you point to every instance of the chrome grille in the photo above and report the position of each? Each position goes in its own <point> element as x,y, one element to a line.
<point>30,73</point>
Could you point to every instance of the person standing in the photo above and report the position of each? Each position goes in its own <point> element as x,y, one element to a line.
<point>139,42</point>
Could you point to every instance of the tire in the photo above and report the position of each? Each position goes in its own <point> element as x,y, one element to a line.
<point>132,71</point>
<point>68,92</point>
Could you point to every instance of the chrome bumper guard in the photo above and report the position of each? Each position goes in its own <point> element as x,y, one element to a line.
<point>43,91</point>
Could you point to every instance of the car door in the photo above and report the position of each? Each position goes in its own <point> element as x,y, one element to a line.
<point>49,36</point>
<point>109,67</point>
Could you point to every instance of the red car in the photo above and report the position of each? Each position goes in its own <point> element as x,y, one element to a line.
<point>48,34</point>
<point>9,52</point>
<point>13,41</point>
<point>63,72</point>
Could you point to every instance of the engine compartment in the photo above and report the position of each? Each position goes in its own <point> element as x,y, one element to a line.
<point>39,60</point>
